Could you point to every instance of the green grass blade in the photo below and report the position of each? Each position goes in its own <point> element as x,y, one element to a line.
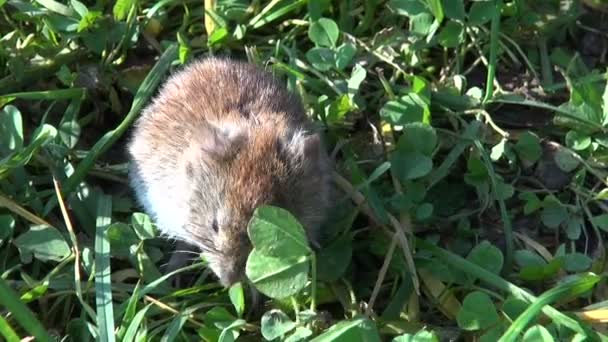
<point>23,157</point>
<point>145,266</point>
<point>60,94</point>
<point>569,288</point>
<point>494,36</point>
<point>369,13</point>
<point>129,314</point>
<point>531,103</point>
<point>144,92</point>
<point>443,170</point>
<point>263,12</point>
<point>10,300</point>
<point>153,285</point>
<point>490,278</point>
<point>134,325</point>
<point>103,285</point>
<point>269,14</point>
<point>175,327</point>
<point>158,5</point>
<point>379,171</point>
<point>521,53</point>
<point>545,63</point>
<point>5,330</point>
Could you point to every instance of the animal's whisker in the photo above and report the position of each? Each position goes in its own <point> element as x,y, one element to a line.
<point>185,251</point>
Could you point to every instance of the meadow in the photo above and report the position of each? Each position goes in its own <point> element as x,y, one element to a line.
<point>470,148</point>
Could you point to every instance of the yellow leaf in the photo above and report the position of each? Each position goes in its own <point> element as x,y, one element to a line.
<point>448,304</point>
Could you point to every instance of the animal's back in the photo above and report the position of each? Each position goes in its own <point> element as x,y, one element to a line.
<point>212,88</point>
<point>221,92</point>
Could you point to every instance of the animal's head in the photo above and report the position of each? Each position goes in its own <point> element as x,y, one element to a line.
<point>236,168</point>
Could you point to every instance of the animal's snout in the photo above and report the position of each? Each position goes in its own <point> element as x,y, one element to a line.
<point>231,274</point>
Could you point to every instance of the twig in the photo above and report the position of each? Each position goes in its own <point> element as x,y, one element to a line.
<point>400,230</point>
<point>356,197</point>
<point>473,65</point>
<point>300,64</point>
<point>352,297</point>
<point>75,249</point>
<point>108,176</point>
<point>380,56</point>
<point>341,143</point>
<point>591,29</point>
<point>19,210</point>
<point>601,176</point>
<point>152,41</point>
<point>381,275</point>
<point>169,308</point>
<point>401,225</point>
<point>405,245</point>
<point>489,121</point>
<point>540,249</point>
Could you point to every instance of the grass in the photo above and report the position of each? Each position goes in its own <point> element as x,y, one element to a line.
<point>469,140</point>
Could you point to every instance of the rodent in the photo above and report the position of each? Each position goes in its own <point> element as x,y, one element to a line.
<point>221,138</point>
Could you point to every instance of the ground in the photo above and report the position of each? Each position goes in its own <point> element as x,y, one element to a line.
<point>469,140</point>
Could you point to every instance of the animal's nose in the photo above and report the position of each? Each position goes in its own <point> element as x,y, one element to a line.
<point>230,275</point>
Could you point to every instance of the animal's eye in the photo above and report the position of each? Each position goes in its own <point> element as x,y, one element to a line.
<point>215,226</point>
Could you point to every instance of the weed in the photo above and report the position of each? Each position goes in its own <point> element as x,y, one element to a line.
<point>470,145</point>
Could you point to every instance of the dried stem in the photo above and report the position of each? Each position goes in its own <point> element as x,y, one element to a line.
<point>75,249</point>
<point>381,275</point>
<point>400,229</point>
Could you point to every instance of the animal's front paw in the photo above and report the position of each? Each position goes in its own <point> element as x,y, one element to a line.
<point>182,257</point>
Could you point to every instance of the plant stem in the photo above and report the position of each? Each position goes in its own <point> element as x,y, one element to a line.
<point>296,309</point>
<point>506,219</point>
<point>381,275</point>
<point>570,288</point>
<point>494,36</point>
<point>494,280</point>
<point>313,284</point>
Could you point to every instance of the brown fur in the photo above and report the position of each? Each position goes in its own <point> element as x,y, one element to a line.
<point>222,138</point>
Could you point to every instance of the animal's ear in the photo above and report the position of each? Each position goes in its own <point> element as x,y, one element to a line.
<point>305,146</point>
<point>222,142</point>
<point>312,146</point>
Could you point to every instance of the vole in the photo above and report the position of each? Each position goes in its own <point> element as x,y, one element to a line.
<point>221,138</point>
